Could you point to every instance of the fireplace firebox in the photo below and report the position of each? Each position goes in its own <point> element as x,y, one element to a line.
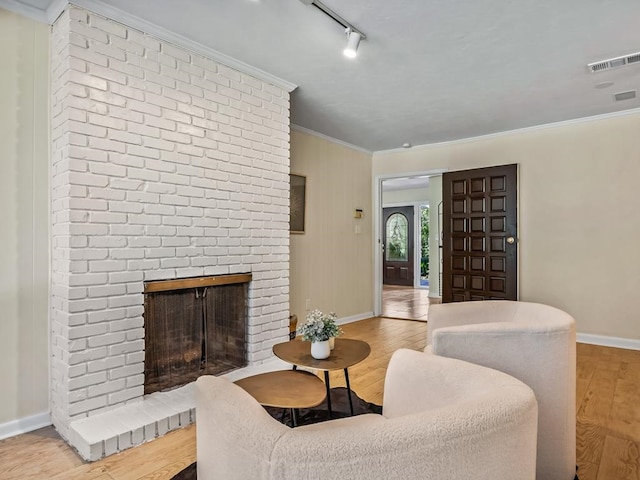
<point>193,327</point>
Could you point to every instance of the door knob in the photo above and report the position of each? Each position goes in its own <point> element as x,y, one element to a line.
<point>511,240</point>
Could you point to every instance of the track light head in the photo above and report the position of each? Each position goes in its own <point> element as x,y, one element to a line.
<point>353,36</point>
<point>353,40</point>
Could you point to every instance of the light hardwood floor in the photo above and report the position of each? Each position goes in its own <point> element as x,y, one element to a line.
<point>608,393</point>
<point>405,302</point>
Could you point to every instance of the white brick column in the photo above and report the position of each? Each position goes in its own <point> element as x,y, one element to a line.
<point>165,164</point>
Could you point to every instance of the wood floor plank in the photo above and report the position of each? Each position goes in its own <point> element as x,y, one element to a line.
<point>598,398</point>
<point>38,454</point>
<point>588,471</point>
<point>83,473</point>
<point>136,463</point>
<point>595,405</point>
<point>624,418</point>
<point>589,443</point>
<point>608,424</point>
<point>621,460</point>
<point>584,372</point>
<point>167,471</point>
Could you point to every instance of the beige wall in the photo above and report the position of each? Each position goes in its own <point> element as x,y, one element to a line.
<point>330,264</point>
<point>579,213</point>
<point>24,264</point>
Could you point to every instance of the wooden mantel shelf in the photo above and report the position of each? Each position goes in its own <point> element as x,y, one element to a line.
<point>183,283</point>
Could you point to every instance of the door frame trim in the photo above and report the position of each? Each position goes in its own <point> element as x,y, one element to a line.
<point>377,228</point>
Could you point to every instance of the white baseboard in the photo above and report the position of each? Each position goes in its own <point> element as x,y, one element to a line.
<point>354,318</point>
<point>617,342</point>
<point>24,425</point>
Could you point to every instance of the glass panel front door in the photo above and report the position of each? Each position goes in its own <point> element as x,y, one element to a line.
<point>397,238</point>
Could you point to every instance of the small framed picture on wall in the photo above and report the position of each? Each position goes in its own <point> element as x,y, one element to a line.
<point>298,185</point>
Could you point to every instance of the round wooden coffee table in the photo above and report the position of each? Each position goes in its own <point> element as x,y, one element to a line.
<point>346,353</point>
<point>292,389</point>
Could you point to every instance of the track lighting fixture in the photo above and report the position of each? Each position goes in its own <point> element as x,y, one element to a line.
<point>353,40</point>
<point>353,34</point>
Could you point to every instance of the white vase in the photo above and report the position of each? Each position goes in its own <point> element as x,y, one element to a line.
<point>332,342</point>
<point>320,350</point>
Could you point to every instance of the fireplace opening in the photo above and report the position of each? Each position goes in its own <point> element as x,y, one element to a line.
<point>193,327</point>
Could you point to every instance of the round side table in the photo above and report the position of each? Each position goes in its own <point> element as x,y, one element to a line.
<point>346,353</point>
<point>292,389</point>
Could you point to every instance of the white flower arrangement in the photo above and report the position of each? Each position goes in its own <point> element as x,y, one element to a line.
<point>319,327</point>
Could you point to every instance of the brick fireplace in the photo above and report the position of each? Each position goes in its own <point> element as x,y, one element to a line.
<point>165,164</point>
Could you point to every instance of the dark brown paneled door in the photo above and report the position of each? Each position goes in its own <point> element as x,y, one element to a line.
<point>480,234</point>
<point>397,260</point>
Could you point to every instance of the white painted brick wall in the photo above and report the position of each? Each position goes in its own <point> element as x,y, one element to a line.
<point>165,164</point>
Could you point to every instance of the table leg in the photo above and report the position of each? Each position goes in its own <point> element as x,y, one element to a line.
<point>326,382</point>
<point>346,377</point>
<point>294,418</point>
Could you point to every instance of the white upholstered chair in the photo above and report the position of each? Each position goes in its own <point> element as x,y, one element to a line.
<point>534,343</point>
<point>443,419</point>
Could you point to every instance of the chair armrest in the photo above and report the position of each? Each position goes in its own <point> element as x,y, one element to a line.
<point>417,381</point>
<point>408,380</point>
<point>511,347</point>
<point>235,435</point>
<point>467,313</point>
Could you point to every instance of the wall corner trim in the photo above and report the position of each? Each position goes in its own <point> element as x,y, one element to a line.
<point>605,341</point>
<point>24,425</point>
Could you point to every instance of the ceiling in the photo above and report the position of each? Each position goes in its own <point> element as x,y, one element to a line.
<point>429,70</point>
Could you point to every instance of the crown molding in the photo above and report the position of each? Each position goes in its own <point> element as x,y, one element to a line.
<point>298,128</point>
<point>101,8</point>
<point>25,10</point>
<point>545,126</point>
<point>56,8</point>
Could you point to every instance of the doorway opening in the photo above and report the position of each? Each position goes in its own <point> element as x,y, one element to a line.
<point>408,228</point>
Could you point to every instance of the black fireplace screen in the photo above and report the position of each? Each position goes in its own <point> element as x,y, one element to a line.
<point>192,332</point>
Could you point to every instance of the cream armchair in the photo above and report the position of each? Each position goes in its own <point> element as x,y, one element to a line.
<point>536,344</point>
<point>442,419</point>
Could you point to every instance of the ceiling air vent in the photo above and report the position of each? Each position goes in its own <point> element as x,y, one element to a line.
<point>616,62</point>
<point>625,95</point>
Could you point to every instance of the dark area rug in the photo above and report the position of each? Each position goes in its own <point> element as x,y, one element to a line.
<point>307,416</point>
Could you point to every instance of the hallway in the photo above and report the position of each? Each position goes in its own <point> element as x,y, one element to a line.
<point>406,303</point>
